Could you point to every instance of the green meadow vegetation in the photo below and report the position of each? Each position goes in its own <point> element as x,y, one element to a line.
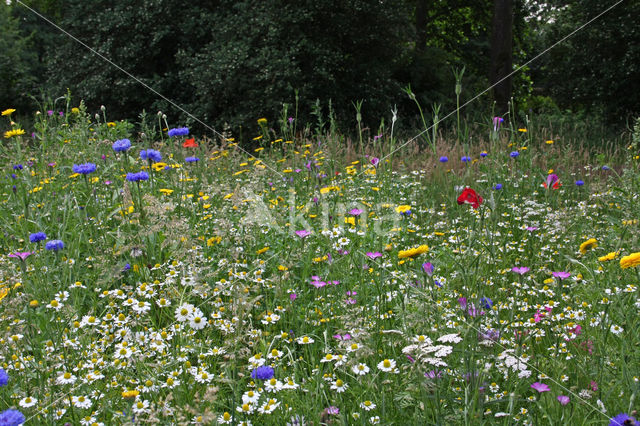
<point>150,275</point>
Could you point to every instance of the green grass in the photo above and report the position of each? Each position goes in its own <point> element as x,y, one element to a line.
<point>216,238</point>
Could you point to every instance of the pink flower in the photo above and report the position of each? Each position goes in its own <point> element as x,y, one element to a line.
<point>520,270</point>
<point>564,400</point>
<point>594,386</point>
<point>22,254</point>
<point>355,212</point>
<point>374,254</point>
<point>303,233</point>
<point>346,336</point>
<point>562,275</point>
<point>293,296</point>
<point>538,316</point>
<point>332,410</point>
<point>540,387</point>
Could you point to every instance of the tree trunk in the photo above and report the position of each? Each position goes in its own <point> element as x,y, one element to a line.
<point>502,54</point>
<point>421,25</point>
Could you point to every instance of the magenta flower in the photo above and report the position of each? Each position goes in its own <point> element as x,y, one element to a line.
<point>375,161</point>
<point>333,410</point>
<point>564,400</point>
<point>355,212</point>
<point>532,228</point>
<point>540,387</point>
<point>562,275</point>
<point>293,296</point>
<point>303,233</point>
<point>374,254</point>
<point>427,268</point>
<point>22,254</point>
<point>520,270</point>
<point>346,336</point>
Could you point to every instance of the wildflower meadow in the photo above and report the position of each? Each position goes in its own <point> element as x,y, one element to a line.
<point>153,276</point>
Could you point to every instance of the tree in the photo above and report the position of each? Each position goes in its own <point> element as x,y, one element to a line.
<point>502,54</point>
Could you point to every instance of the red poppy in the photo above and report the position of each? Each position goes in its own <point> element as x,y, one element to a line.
<point>469,196</point>
<point>190,143</point>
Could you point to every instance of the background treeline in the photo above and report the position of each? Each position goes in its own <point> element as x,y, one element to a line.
<point>230,62</point>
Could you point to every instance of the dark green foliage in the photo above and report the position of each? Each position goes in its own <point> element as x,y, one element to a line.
<point>16,63</point>
<point>260,53</point>
<point>598,68</point>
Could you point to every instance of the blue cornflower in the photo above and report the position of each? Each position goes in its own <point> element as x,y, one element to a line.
<point>121,145</point>
<point>579,182</point>
<point>443,159</point>
<point>13,176</point>
<point>137,177</point>
<point>151,155</point>
<point>497,186</point>
<point>465,159</point>
<point>54,245</point>
<point>126,267</point>
<point>484,154</point>
<point>12,417</point>
<point>514,154</point>
<point>37,236</point>
<point>17,167</point>
<point>623,419</point>
<point>4,377</point>
<point>263,373</point>
<point>605,168</point>
<point>192,159</point>
<point>84,169</point>
<point>178,131</point>
<point>486,302</point>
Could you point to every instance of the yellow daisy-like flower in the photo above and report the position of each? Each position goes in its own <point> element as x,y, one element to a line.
<point>8,111</point>
<point>522,130</point>
<point>549,142</point>
<point>130,394</point>
<point>588,245</point>
<point>630,261</point>
<point>402,254</point>
<point>15,132</point>
<point>608,256</point>
<point>403,208</point>
<point>262,121</point>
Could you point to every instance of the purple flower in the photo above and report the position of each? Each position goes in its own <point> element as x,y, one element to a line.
<point>151,154</point>
<point>374,254</point>
<point>37,236</point>
<point>564,400</point>
<point>433,374</point>
<point>623,419</point>
<point>355,212</point>
<point>486,302</point>
<point>54,245</point>
<point>496,123</point>
<point>579,182</point>
<point>263,372</point>
<point>22,255</point>
<point>121,145</point>
<point>84,169</point>
<point>605,168</point>
<point>303,233</point>
<point>540,387</point>
<point>375,161</point>
<point>463,302</point>
<point>520,270</point>
<point>552,179</point>
<point>137,177</point>
<point>562,275</point>
<point>332,410</point>
<point>179,131</point>
<point>191,159</point>
<point>483,154</point>
<point>465,159</point>
<point>443,159</point>
<point>514,154</point>
<point>531,228</point>
<point>12,417</point>
<point>427,267</point>
<point>497,187</point>
<point>4,377</point>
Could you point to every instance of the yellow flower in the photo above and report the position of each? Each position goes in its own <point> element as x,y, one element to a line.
<point>15,132</point>
<point>403,208</point>
<point>8,111</point>
<point>262,250</point>
<point>413,251</point>
<point>549,142</point>
<point>630,261</point>
<point>75,110</point>
<point>130,394</point>
<point>522,130</point>
<point>587,245</point>
<point>608,256</point>
<point>262,121</point>
<point>166,191</point>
